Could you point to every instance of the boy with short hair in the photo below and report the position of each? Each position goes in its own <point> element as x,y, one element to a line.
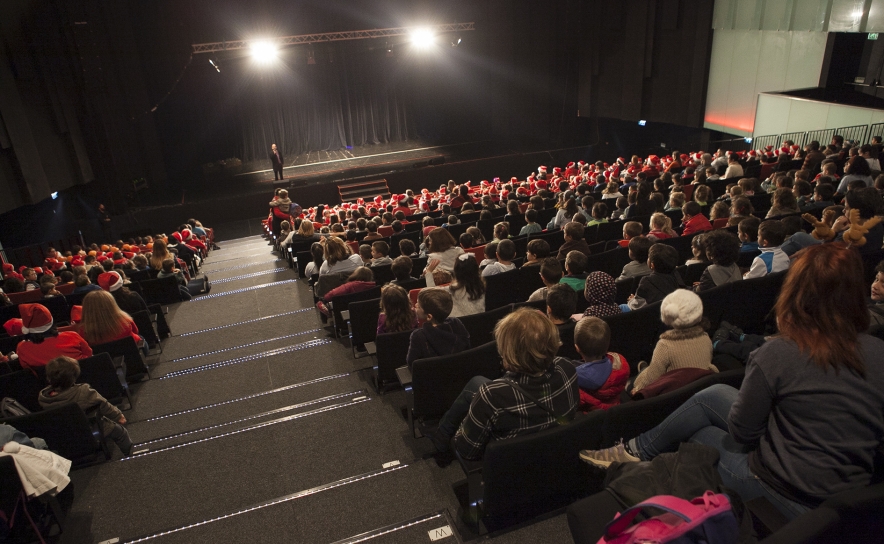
<point>574,241</point>
<point>638,252</point>
<point>531,226</point>
<point>693,219</point>
<point>490,254</point>
<point>506,252</point>
<point>771,235</point>
<point>631,229</point>
<point>365,254</point>
<point>406,247</point>
<point>551,274</point>
<point>401,269</point>
<point>537,251</point>
<point>747,229</point>
<point>380,254</point>
<point>663,279</point>
<point>62,373</point>
<point>440,334</point>
<point>561,303</point>
<point>575,266</point>
<point>601,375</point>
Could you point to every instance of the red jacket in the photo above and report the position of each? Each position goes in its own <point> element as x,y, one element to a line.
<point>404,209</point>
<point>697,223</point>
<point>66,343</point>
<point>608,394</point>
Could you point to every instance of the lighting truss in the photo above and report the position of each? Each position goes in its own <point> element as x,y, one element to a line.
<point>302,39</point>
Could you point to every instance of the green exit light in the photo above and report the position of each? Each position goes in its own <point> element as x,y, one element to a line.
<point>873,35</point>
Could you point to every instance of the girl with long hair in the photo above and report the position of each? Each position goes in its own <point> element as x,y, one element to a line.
<point>104,322</point>
<point>809,416</point>
<point>467,286</point>
<point>396,311</point>
<point>158,254</point>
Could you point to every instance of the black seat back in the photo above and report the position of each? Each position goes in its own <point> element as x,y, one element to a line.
<point>610,262</point>
<point>364,320</point>
<point>745,304</point>
<point>555,239</point>
<point>682,244</point>
<point>392,349</point>
<point>65,428</point>
<point>22,386</point>
<point>161,290</point>
<point>126,348</point>
<point>481,326</point>
<point>58,307</point>
<point>566,336</point>
<point>437,381</point>
<point>342,303</point>
<point>634,334</point>
<point>99,372</point>
<point>145,328</point>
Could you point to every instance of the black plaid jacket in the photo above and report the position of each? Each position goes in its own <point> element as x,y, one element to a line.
<point>499,411</point>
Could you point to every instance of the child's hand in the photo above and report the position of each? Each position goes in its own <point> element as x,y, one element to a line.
<point>432,266</point>
<point>122,420</point>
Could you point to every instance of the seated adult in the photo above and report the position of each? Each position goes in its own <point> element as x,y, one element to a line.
<point>807,421</point>
<point>43,342</point>
<point>338,257</point>
<point>538,390</point>
<point>131,302</point>
<point>103,321</point>
<point>441,245</point>
<point>305,233</point>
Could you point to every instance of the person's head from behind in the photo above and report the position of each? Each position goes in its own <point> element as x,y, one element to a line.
<point>317,252</point>
<point>397,307</point>
<point>690,210</point>
<point>561,302</point>
<point>491,250</point>
<point>747,229</point>
<point>168,266</point>
<point>823,192</point>
<point>661,222</point>
<point>440,240</point>
<point>406,247</point>
<point>551,271</point>
<point>575,263</point>
<point>722,247</point>
<point>434,305</point>
<point>676,200</point>
<point>379,249</point>
<point>599,210</point>
<point>821,307</point>
<point>538,249</point>
<point>662,259</point>
<point>371,227</point>
<point>638,248</point>
<point>592,337</point>
<point>574,231</point>
<point>506,251</point>
<point>771,233</point>
<point>401,268</point>
<point>531,215</point>
<point>867,200</point>
<point>527,341</point>
<point>681,309</point>
<point>62,372</point>
<point>631,229</point>
<point>466,240</point>
<point>363,273</point>
<point>365,252</point>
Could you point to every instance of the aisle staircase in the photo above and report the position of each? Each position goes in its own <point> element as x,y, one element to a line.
<point>366,190</point>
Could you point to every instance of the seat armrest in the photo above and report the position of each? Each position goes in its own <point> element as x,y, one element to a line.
<point>345,315</point>
<point>469,466</point>
<point>371,348</point>
<point>403,374</point>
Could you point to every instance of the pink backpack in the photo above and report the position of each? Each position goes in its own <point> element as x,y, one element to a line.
<point>705,519</point>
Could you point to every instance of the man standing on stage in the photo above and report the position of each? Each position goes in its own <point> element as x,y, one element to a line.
<point>277,162</point>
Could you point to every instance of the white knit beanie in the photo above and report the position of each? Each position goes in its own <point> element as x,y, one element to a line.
<point>681,309</point>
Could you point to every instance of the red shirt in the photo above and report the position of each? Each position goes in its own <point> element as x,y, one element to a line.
<point>623,243</point>
<point>659,234</point>
<point>129,329</point>
<point>32,355</point>
<point>697,223</point>
<point>404,209</point>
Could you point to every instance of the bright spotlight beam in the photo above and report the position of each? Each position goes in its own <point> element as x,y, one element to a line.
<point>422,37</point>
<point>264,52</point>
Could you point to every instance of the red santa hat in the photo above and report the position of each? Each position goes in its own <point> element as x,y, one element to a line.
<point>38,270</point>
<point>186,234</point>
<point>110,281</point>
<point>541,169</point>
<point>76,261</point>
<point>378,199</point>
<point>128,254</point>
<point>654,159</point>
<point>176,235</point>
<point>621,160</point>
<point>101,258</point>
<point>360,201</point>
<point>13,326</point>
<point>753,153</point>
<point>53,264</point>
<point>522,191</point>
<point>35,318</point>
<point>493,191</point>
<point>557,170</point>
<point>7,268</point>
<point>22,268</point>
<point>570,164</point>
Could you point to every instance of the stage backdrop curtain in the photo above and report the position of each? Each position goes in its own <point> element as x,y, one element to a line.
<point>349,97</point>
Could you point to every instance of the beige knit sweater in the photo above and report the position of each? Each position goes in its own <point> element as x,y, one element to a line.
<point>678,348</point>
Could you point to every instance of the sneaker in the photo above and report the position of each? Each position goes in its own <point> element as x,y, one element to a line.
<point>604,458</point>
<point>438,438</point>
<point>733,333</point>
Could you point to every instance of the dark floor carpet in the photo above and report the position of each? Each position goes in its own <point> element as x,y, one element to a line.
<point>245,439</point>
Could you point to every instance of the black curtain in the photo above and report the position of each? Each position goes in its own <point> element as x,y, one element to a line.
<point>350,97</point>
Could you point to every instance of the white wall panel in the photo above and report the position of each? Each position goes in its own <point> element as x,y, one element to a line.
<point>846,116</point>
<point>777,114</point>
<point>807,115</point>
<point>805,62</point>
<point>846,15</point>
<point>772,114</point>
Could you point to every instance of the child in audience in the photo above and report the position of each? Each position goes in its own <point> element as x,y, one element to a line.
<point>601,375</point>
<point>361,279</point>
<point>372,229</point>
<point>318,254</point>
<point>693,220</point>
<point>771,235</point>
<point>428,225</point>
<point>501,231</point>
<point>599,214</point>
<point>531,226</point>
<point>574,241</point>
<point>631,229</point>
<point>62,373</point>
<point>466,240</point>
<point>822,198</point>
<point>676,202</point>
<point>620,208</point>
<point>406,248</point>
<point>720,210</point>
<point>550,274</point>
<point>490,255</point>
<point>478,237</point>
<point>748,186</point>
<point>380,254</point>
<point>723,249</point>
<point>396,312</point>
<point>561,303</point>
<point>599,292</point>
<point>575,266</point>
<point>537,251</point>
<point>47,288</point>
<point>506,252</point>
<point>401,268</point>
<point>685,346</point>
<point>365,253</point>
<point>440,334</point>
<point>747,230</point>
<point>638,252</point>
<point>876,308</point>
<point>661,227</point>
<point>663,279</point>
<point>467,286</point>
<point>102,321</point>
<point>31,282</point>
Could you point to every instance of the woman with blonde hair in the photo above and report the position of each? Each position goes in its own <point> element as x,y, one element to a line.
<point>338,257</point>
<point>104,322</point>
<point>158,254</point>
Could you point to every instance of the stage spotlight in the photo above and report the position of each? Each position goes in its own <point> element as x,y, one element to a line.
<point>422,37</point>
<point>54,195</point>
<point>642,123</point>
<point>215,65</point>
<point>264,52</point>
<point>455,42</point>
